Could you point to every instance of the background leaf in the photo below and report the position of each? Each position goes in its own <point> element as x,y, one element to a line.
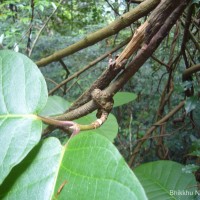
<point>190,104</point>
<point>19,99</point>
<point>122,98</point>
<point>34,177</point>
<point>162,177</point>
<point>190,168</point>
<point>109,129</point>
<point>92,168</point>
<point>55,105</point>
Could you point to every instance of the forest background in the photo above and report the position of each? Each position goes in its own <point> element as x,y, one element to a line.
<point>144,54</point>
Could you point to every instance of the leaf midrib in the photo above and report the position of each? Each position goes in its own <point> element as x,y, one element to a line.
<point>29,116</point>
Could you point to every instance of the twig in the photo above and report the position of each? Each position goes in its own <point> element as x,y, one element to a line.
<point>30,30</point>
<point>40,31</point>
<point>89,66</point>
<point>53,82</point>
<point>67,74</point>
<point>115,11</point>
<point>188,72</point>
<point>160,62</point>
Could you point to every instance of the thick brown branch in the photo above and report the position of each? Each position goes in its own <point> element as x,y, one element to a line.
<point>133,45</point>
<point>88,67</point>
<point>79,112</point>
<point>112,71</point>
<point>146,50</point>
<point>162,11</point>
<point>102,82</point>
<point>133,67</point>
<point>188,72</point>
<point>124,21</point>
<point>136,41</point>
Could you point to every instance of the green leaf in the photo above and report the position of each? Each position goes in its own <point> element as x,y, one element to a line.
<point>55,105</point>
<point>41,7</point>
<point>195,143</point>
<point>109,129</point>
<point>195,153</point>
<point>89,167</point>
<point>122,98</point>
<point>34,177</point>
<point>164,179</point>
<point>23,93</point>
<point>190,104</point>
<point>1,39</point>
<point>54,5</point>
<point>92,168</point>
<point>187,85</point>
<point>190,168</point>
<point>195,147</point>
<point>195,1</point>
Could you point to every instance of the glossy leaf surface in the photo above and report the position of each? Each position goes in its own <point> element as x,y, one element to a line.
<point>164,179</point>
<point>190,104</point>
<point>23,94</point>
<point>92,168</point>
<point>34,177</point>
<point>122,98</point>
<point>55,105</point>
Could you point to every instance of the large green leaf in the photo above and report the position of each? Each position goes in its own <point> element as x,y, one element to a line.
<point>92,168</point>
<point>109,129</point>
<point>122,98</point>
<point>55,105</point>
<point>166,180</point>
<point>34,177</point>
<point>89,167</point>
<point>23,93</point>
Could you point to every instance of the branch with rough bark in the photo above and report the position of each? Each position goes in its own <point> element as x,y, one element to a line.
<point>89,66</point>
<point>114,67</point>
<point>158,34</point>
<point>188,72</point>
<point>122,22</point>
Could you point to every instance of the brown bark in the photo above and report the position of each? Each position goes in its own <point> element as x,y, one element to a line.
<point>188,72</point>
<point>122,22</point>
<point>147,30</point>
<point>111,72</point>
<point>145,52</point>
<point>89,66</point>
